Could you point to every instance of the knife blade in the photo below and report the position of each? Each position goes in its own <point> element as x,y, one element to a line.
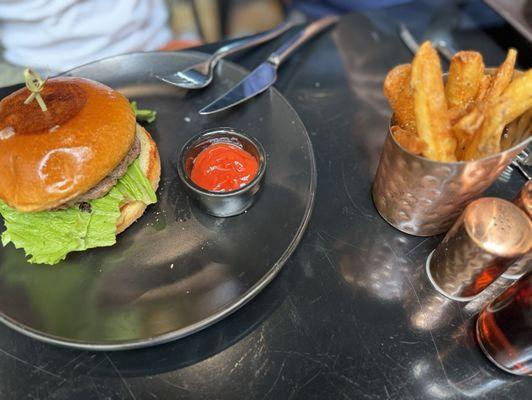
<point>265,75</point>
<point>260,79</point>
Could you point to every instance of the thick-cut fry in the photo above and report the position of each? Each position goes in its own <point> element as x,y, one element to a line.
<point>399,93</point>
<point>514,101</point>
<point>464,129</point>
<point>465,118</point>
<point>483,88</point>
<point>502,77</point>
<point>465,75</point>
<point>408,140</point>
<point>432,119</point>
<point>455,114</point>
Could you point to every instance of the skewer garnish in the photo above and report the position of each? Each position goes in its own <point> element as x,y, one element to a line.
<point>35,85</point>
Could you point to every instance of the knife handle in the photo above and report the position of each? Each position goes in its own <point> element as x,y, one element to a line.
<point>282,53</point>
<point>247,43</point>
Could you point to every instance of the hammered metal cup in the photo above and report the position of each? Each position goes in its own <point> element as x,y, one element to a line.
<point>524,264</point>
<point>423,197</point>
<point>489,236</point>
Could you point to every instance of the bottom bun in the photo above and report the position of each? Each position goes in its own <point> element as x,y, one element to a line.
<point>150,164</point>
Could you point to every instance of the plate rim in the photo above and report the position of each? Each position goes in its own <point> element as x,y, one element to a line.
<point>226,310</point>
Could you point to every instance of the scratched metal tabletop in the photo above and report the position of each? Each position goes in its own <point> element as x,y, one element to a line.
<point>351,315</point>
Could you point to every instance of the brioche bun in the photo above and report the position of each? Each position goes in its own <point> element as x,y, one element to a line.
<point>49,158</point>
<point>150,165</point>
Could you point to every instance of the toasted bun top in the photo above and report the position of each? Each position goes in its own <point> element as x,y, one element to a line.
<point>48,158</point>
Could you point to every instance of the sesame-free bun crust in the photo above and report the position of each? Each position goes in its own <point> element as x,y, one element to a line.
<point>150,165</point>
<point>49,158</point>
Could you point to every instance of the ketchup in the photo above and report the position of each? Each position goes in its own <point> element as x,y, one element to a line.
<point>223,167</point>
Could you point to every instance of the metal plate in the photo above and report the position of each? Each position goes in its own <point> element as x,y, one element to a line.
<point>177,270</point>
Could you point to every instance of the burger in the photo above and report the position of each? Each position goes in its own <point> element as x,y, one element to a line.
<point>76,175</point>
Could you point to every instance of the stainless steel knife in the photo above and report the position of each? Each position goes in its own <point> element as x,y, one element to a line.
<point>265,75</point>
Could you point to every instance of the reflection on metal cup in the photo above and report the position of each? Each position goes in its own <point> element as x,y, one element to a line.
<point>524,199</point>
<point>423,197</point>
<point>504,328</point>
<point>488,237</point>
<point>524,264</point>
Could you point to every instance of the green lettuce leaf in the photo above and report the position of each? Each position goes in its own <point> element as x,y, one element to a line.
<point>48,236</point>
<point>143,115</point>
<point>135,186</point>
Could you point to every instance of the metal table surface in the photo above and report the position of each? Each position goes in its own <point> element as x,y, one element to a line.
<point>351,315</point>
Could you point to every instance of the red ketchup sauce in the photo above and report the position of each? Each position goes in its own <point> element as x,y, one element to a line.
<point>223,167</point>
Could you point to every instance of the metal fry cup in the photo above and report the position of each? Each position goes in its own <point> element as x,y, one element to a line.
<point>524,264</point>
<point>424,197</point>
<point>488,237</point>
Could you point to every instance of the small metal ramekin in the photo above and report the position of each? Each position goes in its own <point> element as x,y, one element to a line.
<point>221,204</point>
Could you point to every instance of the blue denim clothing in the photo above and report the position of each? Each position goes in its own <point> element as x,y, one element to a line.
<point>317,8</point>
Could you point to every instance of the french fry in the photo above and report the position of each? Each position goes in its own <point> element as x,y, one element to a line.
<point>464,129</point>
<point>502,77</point>
<point>408,140</point>
<point>483,88</point>
<point>454,115</point>
<point>432,119</point>
<point>399,93</point>
<point>463,119</point>
<point>515,100</point>
<point>465,75</point>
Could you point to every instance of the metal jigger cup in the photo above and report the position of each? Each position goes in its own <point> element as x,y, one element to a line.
<point>487,238</point>
<point>524,264</point>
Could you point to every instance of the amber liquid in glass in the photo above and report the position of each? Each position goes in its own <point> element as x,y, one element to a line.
<point>504,328</point>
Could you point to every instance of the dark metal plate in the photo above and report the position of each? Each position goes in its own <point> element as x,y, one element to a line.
<point>177,270</point>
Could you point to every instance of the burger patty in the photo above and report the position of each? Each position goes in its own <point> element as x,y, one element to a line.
<point>107,183</point>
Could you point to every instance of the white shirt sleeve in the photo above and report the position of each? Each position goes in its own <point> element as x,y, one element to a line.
<point>58,35</point>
